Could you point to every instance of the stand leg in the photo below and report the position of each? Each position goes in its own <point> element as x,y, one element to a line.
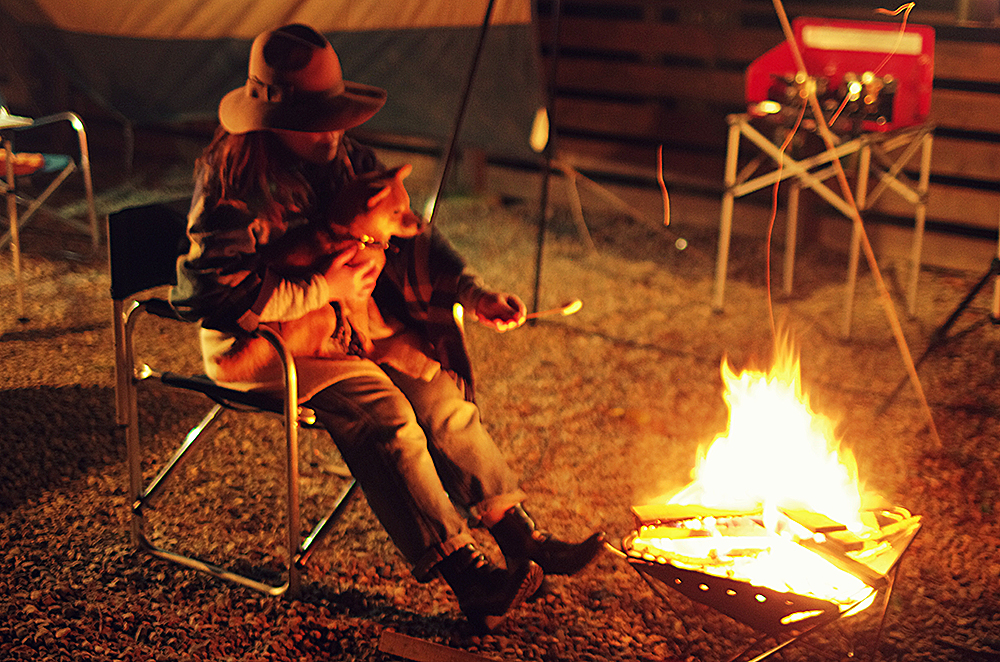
<point>88,185</point>
<point>791,230</point>
<point>726,217</point>
<point>861,199</point>
<point>919,222</point>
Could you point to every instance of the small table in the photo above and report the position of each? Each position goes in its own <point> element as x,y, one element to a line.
<point>812,172</point>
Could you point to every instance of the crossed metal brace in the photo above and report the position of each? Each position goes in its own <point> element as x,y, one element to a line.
<point>874,149</point>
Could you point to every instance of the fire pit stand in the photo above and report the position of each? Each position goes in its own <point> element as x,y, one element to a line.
<point>784,617</point>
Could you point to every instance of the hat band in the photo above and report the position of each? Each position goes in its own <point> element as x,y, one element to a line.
<point>274,93</point>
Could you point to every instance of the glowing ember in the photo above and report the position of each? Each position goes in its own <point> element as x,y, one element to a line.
<point>774,502</point>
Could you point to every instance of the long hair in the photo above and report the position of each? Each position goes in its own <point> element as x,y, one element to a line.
<point>254,171</point>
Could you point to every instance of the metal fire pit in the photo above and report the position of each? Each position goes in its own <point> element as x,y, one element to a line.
<point>783,616</point>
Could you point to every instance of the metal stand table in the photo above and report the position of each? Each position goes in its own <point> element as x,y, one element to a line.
<point>812,172</point>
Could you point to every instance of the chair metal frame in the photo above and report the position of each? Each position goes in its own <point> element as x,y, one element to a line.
<point>131,373</point>
<point>34,204</point>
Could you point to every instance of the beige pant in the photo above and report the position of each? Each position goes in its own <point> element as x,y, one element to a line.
<point>421,455</point>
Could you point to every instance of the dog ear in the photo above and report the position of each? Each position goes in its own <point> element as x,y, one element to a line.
<point>390,178</point>
<point>378,196</point>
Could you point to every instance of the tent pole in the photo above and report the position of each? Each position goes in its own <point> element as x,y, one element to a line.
<point>549,155</point>
<point>430,208</point>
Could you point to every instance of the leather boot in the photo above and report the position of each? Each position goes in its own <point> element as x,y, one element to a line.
<point>519,538</point>
<point>484,591</point>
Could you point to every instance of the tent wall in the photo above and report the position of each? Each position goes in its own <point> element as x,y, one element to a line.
<point>156,62</point>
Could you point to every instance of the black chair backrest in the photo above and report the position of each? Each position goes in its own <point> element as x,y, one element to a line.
<point>143,245</point>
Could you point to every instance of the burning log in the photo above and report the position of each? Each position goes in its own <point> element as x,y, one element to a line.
<point>729,543</point>
<point>750,538</point>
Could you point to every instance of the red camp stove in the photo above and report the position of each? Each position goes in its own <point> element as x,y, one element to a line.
<point>882,74</point>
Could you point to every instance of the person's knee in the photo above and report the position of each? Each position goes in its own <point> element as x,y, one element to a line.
<point>457,417</point>
<point>390,427</point>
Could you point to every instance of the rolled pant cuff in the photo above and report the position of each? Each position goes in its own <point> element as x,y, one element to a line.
<point>500,503</point>
<point>423,570</point>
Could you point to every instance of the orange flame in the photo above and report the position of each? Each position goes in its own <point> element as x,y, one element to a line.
<point>778,456</point>
<point>777,452</point>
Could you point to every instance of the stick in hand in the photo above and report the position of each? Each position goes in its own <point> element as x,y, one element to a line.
<point>567,308</point>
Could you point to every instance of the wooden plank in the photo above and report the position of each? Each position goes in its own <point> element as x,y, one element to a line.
<point>709,11</point>
<point>721,11</point>
<point>890,243</point>
<point>971,111</point>
<point>862,12</point>
<point>966,207</point>
<point>651,121</point>
<point>655,40</point>
<point>690,169</point>
<point>655,513</point>
<point>974,159</point>
<point>954,60</point>
<point>645,81</point>
<point>970,61</point>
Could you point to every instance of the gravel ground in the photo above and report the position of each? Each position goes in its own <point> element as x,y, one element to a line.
<point>598,412</point>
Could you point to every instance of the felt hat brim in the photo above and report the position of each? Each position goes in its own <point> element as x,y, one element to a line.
<point>240,111</point>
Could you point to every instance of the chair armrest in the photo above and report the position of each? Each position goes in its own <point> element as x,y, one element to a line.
<point>81,135</point>
<point>72,118</point>
<point>162,308</point>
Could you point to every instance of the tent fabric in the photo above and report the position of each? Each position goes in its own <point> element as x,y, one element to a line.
<point>165,62</point>
<point>178,19</point>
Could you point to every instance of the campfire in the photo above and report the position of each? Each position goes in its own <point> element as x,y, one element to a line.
<point>775,529</point>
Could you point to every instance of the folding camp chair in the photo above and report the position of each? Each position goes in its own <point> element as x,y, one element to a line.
<point>143,244</point>
<point>16,167</point>
<point>56,167</point>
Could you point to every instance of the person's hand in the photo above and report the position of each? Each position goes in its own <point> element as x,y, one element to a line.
<point>501,311</point>
<point>353,271</point>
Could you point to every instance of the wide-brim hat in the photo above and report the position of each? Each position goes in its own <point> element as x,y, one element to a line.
<point>294,82</point>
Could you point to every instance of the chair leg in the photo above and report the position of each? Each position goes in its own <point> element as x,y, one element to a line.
<point>91,227</point>
<point>88,183</point>
<point>146,495</point>
<point>15,244</point>
<point>322,528</point>
<point>298,551</point>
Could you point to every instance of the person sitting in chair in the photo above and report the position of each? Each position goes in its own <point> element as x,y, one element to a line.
<point>391,380</point>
